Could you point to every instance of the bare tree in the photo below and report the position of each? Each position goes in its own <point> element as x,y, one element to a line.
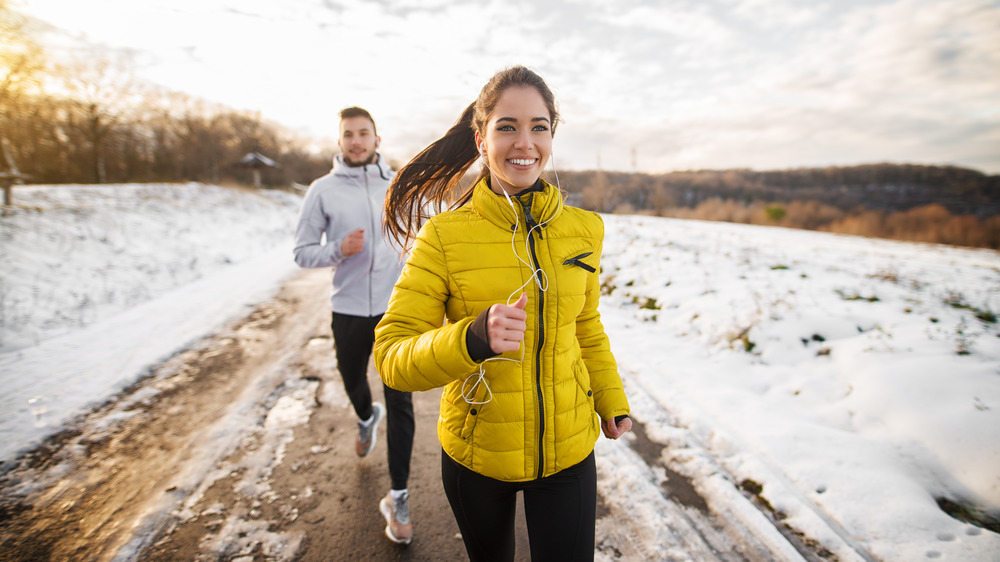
<point>20,61</point>
<point>103,91</point>
<point>596,195</point>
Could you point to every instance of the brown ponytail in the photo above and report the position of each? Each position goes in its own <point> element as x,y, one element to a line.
<point>430,178</point>
<point>427,182</point>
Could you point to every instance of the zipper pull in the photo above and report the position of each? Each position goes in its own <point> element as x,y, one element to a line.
<point>528,219</point>
<point>576,261</point>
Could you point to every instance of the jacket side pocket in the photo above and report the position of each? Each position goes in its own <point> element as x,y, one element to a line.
<point>582,377</point>
<point>470,422</point>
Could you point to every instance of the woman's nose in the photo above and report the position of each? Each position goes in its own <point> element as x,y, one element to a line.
<point>523,140</point>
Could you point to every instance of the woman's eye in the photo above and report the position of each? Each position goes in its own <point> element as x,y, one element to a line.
<point>505,128</point>
<point>540,128</point>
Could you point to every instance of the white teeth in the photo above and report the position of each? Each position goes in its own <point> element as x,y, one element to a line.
<point>522,161</point>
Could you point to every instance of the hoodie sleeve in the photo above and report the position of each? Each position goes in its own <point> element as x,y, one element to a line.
<point>310,251</point>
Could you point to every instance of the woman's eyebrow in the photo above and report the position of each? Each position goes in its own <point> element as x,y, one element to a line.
<point>512,120</point>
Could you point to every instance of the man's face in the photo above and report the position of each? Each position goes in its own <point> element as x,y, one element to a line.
<point>357,141</point>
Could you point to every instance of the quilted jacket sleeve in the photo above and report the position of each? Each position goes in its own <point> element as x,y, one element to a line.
<point>414,348</point>
<point>609,394</point>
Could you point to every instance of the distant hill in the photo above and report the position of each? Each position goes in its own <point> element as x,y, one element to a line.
<point>881,187</point>
<point>938,204</point>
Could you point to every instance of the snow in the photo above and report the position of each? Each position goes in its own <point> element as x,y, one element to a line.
<point>869,389</point>
<point>855,380</point>
<point>100,283</point>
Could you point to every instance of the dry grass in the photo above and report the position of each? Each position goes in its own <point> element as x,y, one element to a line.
<point>929,223</point>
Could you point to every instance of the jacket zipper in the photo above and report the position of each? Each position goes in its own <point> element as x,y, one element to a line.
<point>529,225</point>
<point>371,234</point>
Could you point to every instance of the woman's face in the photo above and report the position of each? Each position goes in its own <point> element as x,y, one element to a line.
<point>518,139</point>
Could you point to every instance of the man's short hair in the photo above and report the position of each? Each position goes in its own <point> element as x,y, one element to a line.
<point>355,111</point>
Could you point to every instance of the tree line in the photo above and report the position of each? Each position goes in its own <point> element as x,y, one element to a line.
<point>91,121</point>
<point>939,204</point>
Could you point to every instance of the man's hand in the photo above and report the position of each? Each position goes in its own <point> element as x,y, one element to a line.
<point>506,324</point>
<point>353,244</point>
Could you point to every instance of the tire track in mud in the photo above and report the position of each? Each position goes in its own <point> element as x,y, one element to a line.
<point>712,516</point>
<point>80,495</point>
<point>195,462</point>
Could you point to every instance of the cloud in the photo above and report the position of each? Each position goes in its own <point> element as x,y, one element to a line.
<point>901,81</point>
<point>681,84</point>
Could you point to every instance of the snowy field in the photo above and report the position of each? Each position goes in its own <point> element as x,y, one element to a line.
<point>100,283</point>
<point>852,384</point>
<point>855,380</point>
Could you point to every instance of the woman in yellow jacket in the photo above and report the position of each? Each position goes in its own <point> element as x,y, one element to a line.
<point>497,303</point>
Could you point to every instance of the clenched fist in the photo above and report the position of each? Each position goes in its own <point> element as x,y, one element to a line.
<point>353,243</point>
<point>506,324</point>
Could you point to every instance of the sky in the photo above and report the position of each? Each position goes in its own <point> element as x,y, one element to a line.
<point>851,377</point>
<point>652,86</point>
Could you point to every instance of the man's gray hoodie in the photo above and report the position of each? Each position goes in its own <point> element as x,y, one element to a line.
<point>336,204</point>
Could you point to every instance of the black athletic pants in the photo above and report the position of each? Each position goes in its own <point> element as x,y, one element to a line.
<point>559,510</point>
<point>353,337</point>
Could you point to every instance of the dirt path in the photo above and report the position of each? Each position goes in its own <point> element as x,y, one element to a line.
<point>186,465</point>
<point>241,448</point>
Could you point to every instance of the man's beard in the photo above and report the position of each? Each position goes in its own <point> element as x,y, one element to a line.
<point>356,163</point>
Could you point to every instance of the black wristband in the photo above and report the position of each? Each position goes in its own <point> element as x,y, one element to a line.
<point>477,340</point>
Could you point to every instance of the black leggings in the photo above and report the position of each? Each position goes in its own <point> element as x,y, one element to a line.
<point>559,510</point>
<point>353,338</point>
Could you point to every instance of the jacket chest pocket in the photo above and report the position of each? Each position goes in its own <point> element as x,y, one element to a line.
<point>576,268</point>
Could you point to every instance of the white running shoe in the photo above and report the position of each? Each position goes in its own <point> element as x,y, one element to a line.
<point>367,434</point>
<point>398,527</point>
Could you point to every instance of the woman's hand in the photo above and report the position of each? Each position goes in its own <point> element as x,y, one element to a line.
<point>506,324</point>
<point>614,430</point>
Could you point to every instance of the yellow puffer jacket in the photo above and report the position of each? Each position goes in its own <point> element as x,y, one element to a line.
<point>539,413</point>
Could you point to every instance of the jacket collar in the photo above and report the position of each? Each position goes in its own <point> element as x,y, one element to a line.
<point>378,169</point>
<point>544,198</point>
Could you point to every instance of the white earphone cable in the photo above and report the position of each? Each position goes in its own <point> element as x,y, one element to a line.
<point>538,275</point>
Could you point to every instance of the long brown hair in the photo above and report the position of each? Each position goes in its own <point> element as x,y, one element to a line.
<point>427,183</point>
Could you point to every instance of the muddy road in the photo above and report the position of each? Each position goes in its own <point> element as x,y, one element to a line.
<point>241,448</point>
